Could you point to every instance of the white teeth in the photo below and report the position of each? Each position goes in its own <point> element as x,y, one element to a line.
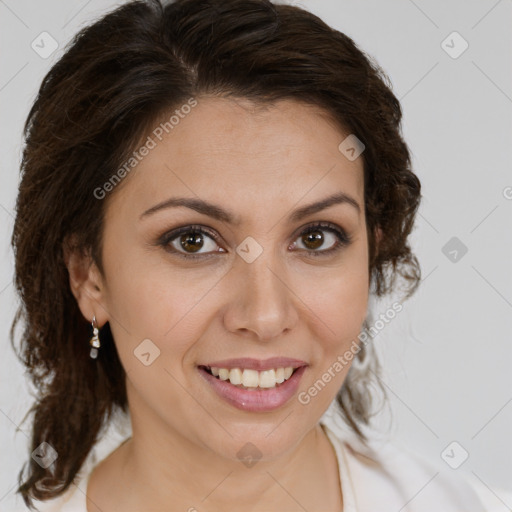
<point>280,375</point>
<point>253,378</point>
<point>235,376</point>
<point>267,379</point>
<point>250,378</point>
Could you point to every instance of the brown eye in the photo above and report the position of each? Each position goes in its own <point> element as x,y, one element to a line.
<point>322,239</point>
<point>190,242</point>
<point>313,240</point>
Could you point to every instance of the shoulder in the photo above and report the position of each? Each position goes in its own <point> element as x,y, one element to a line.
<point>74,498</point>
<point>385,472</point>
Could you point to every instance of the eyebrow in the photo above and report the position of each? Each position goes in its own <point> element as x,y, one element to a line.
<point>223,215</point>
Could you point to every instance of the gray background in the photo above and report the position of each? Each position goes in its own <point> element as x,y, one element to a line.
<point>447,355</point>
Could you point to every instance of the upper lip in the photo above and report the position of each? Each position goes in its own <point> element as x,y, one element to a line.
<point>257,364</point>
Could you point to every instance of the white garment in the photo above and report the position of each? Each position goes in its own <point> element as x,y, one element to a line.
<point>380,478</point>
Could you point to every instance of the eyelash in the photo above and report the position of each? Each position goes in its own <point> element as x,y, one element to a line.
<point>343,239</point>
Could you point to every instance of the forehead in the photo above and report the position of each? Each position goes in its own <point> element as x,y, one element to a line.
<point>240,153</point>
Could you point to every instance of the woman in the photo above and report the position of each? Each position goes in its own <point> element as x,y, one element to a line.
<point>216,188</point>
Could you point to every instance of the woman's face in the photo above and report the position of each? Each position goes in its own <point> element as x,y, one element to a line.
<point>253,285</point>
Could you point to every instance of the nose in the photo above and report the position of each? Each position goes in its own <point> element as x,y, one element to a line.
<point>263,305</point>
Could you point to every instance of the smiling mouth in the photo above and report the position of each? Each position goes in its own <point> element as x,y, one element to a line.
<point>252,380</point>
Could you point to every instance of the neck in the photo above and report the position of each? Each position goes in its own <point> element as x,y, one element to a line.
<point>162,466</point>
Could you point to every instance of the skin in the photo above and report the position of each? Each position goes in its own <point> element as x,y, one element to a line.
<point>261,164</point>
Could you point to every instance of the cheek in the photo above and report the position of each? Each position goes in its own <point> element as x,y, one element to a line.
<point>156,302</point>
<point>338,295</point>
<point>342,295</point>
<point>170,306</point>
<point>338,307</point>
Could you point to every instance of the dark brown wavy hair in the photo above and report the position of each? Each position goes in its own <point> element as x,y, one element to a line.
<point>115,80</point>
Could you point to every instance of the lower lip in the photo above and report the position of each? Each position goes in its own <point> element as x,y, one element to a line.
<point>263,400</point>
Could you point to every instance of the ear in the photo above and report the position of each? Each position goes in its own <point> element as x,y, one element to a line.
<point>86,282</point>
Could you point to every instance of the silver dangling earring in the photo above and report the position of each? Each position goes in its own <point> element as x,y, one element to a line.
<point>95,340</point>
